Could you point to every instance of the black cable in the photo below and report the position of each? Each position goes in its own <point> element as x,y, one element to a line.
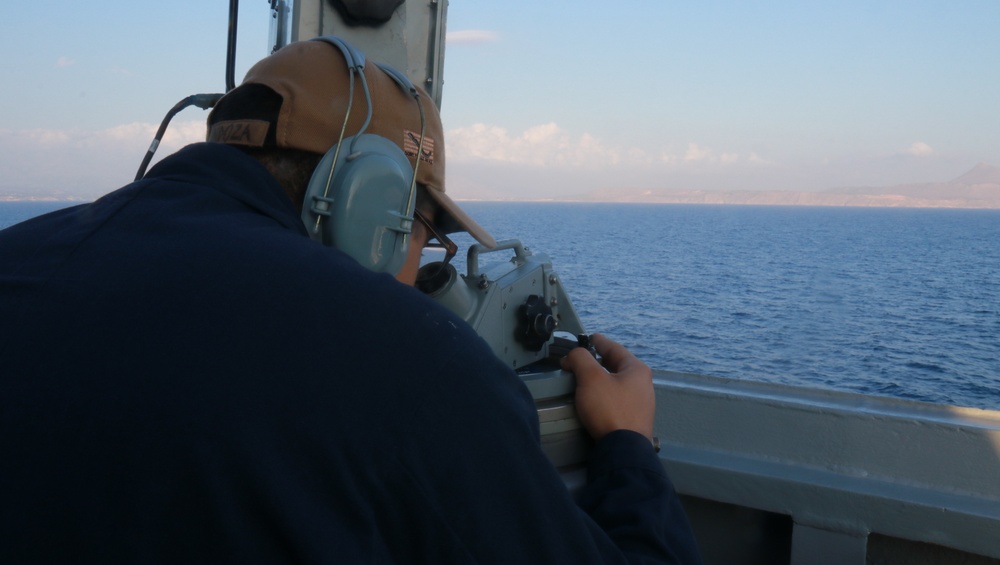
<point>203,101</point>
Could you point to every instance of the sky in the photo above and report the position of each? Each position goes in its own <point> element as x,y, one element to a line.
<point>551,99</point>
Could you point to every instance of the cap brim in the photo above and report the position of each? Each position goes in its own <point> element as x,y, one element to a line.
<point>455,219</point>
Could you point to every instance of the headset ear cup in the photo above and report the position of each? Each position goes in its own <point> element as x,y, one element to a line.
<point>365,213</point>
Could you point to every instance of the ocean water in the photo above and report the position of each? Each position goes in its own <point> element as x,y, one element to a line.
<point>894,302</point>
<point>14,212</point>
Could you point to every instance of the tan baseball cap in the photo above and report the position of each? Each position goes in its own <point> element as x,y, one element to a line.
<point>297,98</point>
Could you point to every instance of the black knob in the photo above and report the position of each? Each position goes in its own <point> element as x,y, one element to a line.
<point>535,323</point>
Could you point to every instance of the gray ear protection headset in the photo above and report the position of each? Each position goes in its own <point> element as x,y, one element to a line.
<point>362,195</point>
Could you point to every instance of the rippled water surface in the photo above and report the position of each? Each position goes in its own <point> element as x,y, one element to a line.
<point>898,302</point>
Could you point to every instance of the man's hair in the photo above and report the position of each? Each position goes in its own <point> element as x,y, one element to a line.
<point>291,167</point>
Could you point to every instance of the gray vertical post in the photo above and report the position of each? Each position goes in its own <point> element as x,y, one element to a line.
<point>814,546</point>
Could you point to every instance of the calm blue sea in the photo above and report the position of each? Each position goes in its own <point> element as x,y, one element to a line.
<point>897,302</point>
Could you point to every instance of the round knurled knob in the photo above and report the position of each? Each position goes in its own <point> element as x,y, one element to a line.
<point>537,323</point>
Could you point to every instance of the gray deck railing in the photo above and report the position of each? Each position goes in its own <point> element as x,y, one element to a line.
<point>851,474</point>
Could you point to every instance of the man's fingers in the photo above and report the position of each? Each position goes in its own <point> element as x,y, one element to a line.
<point>579,361</point>
<point>616,357</point>
<point>615,394</point>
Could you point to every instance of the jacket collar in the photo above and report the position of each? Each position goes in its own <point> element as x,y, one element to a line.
<point>232,172</point>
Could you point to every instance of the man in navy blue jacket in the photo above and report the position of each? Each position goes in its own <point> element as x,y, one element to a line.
<point>189,377</point>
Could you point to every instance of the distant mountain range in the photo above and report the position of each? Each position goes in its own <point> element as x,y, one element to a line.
<point>978,188</point>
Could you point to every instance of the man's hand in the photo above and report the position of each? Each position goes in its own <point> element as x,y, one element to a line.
<point>617,396</point>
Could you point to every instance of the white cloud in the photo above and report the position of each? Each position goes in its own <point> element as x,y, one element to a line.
<point>548,145</point>
<point>543,145</point>
<point>177,135</point>
<point>490,161</point>
<point>86,163</point>
<point>667,157</point>
<point>920,149</point>
<point>62,62</point>
<point>471,36</point>
<point>697,153</point>
<point>42,137</point>
<point>127,132</point>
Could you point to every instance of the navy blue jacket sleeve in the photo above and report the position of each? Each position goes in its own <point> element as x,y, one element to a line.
<point>629,495</point>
